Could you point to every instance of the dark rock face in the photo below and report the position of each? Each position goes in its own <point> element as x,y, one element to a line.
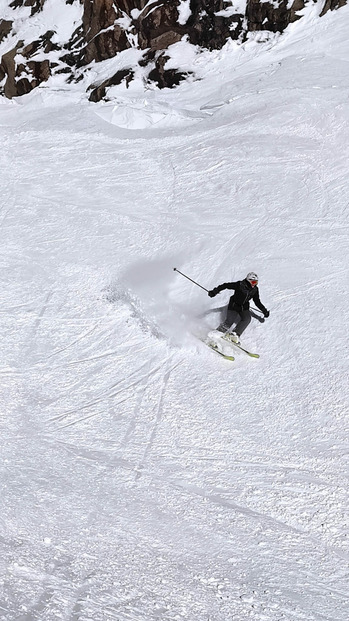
<point>331,5</point>
<point>35,4</point>
<point>158,27</point>
<point>209,29</point>
<point>99,92</point>
<point>109,27</point>
<point>264,16</point>
<point>164,78</point>
<point>5,28</point>
<point>26,74</point>
<point>103,37</point>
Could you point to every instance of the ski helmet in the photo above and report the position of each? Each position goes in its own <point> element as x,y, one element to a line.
<point>252,278</point>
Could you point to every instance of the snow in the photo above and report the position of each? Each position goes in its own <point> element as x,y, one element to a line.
<point>184,12</point>
<point>142,114</point>
<point>183,55</point>
<point>233,8</point>
<point>55,15</point>
<point>144,477</point>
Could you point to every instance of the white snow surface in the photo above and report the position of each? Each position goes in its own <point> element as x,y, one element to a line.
<point>184,11</point>
<point>232,8</point>
<point>143,476</point>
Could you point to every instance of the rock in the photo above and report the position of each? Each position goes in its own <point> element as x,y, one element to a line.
<point>35,4</point>
<point>8,68</point>
<point>158,27</point>
<point>165,78</point>
<point>109,27</point>
<point>5,28</point>
<point>99,92</point>
<point>22,73</point>
<point>272,16</point>
<point>103,38</point>
<point>331,5</point>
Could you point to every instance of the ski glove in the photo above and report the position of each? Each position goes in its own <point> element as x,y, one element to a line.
<point>213,292</point>
<point>266,314</point>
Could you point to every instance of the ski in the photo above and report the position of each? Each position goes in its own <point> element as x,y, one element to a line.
<point>249,353</point>
<point>215,348</point>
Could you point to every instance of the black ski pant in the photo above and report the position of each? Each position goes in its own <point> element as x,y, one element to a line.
<point>241,319</point>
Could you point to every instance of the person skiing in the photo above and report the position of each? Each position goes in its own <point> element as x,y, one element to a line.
<point>238,311</point>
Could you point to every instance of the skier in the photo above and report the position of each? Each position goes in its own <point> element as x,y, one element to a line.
<point>238,311</point>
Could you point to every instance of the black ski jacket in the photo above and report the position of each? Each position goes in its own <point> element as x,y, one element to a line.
<point>244,292</point>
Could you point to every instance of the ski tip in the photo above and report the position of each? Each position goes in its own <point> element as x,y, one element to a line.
<point>214,348</point>
<point>252,355</point>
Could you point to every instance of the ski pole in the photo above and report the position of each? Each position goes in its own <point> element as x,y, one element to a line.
<point>191,280</point>
<point>256,309</point>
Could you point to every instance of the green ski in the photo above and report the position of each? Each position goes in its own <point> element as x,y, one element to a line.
<point>249,353</point>
<point>215,348</point>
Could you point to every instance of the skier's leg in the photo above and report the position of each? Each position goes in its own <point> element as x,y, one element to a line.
<point>245,318</point>
<point>231,318</point>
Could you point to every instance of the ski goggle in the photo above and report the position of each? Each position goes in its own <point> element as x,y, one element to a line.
<point>253,282</point>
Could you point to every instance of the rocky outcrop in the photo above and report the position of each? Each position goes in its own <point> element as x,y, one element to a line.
<point>331,5</point>
<point>36,5</point>
<point>103,36</point>
<point>106,28</point>
<point>5,28</point>
<point>157,26</point>
<point>23,73</point>
<point>99,92</point>
<point>265,16</point>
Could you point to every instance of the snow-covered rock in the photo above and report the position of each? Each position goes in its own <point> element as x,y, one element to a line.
<point>60,42</point>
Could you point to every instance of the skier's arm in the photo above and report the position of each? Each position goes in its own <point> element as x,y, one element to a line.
<point>225,285</point>
<point>259,304</point>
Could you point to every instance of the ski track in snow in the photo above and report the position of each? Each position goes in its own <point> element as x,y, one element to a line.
<point>142,476</point>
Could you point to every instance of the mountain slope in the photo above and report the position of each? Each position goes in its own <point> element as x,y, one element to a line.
<point>143,477</point>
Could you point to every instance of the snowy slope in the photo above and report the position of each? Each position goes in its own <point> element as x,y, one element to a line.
<point>142,476</point>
